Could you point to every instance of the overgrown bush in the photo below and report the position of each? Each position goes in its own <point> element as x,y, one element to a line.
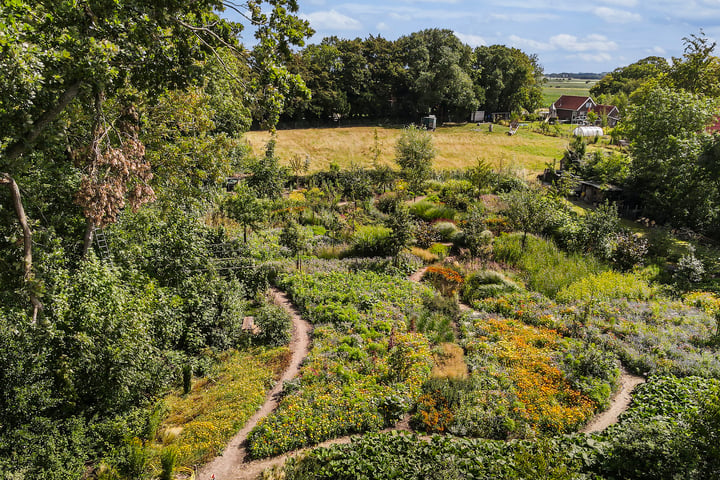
<point>446,230</point>
<point>275,325</point>
<point>485,284</point>
<point>370,241</point>
<point>546,268</point>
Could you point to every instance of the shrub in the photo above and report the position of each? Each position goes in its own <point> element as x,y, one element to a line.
<point>446,230</point>
<point>690,269</point>
<point>629,250</point>
<point>445,279</point>
<point>457,193</point>
<point>429,211</point>
<point>168,460</point>
<point>439,249</point>
<point>426,235</point>
<point>370,241</point>
<point>275,325</point>
<point>388,202</point>
<point>440,398</point>
<point>485,284</point>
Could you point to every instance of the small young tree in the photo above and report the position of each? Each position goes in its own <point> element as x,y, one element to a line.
<point>295,239</point>
<point>415,153</point>
<point>244,207</point>
<point>528,210</point>
<point>268,177</point>
<point>402,233</point>
<point>478,238</point>
<point>356,184</point>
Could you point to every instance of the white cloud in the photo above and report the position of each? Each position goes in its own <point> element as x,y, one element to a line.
<point>402,18</point>
<point>564,41</point>
<point>616,16</point>
<point>331,20</point>
<point>591,57</point>
<point>381,26</point>
<point>524,17</point>
<point>470,39</point>
<point>591,42</point>
<point>657,50</point>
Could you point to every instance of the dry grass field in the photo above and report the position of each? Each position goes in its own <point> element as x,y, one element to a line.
<point>457,146</point>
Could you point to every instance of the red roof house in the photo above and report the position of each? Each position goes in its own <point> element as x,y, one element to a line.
<point>571,108</point>
<point>610,112</point>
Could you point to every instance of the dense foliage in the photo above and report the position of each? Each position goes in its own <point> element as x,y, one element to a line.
<point>430,71</point>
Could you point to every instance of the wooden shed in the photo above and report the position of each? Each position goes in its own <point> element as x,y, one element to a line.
<point>596,193</point>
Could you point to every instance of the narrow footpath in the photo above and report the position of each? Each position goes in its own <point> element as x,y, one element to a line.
<point>232,464</point>
<point>618,404</point>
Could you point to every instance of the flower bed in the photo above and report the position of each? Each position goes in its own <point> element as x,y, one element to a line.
<point>365,368</point>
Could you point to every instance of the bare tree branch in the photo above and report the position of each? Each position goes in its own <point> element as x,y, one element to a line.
<point>6,179</point>
<point>16,149</point>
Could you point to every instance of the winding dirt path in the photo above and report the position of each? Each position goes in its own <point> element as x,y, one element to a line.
<point>232,463</point>
<point>253,470</point>
<point>618,404</point>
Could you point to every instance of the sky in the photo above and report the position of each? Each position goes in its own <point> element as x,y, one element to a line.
<point>566,35</point>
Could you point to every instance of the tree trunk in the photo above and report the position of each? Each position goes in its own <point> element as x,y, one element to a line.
<point>28,276</point>
<point>88,237</point>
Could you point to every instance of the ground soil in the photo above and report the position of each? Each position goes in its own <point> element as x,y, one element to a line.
<point>618,404</point>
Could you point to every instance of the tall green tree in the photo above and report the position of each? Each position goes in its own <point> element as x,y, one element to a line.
<point>437,65</point>
<point>510,79</point>
<point>698,70</point>
<point>627,79</point>
<point>295,238</point>
<point>70,75</point>
<point>244,207</point>
<point>675,182</point>
<point>528,210</point>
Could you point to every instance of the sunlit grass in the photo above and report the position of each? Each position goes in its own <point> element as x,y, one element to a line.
<point>199,425</point>
<point>457,146</point>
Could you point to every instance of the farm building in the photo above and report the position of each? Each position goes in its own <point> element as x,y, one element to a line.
<point>610,112</point>
<point>571,108</point>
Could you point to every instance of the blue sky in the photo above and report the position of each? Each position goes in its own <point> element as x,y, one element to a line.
<point>567,36</point>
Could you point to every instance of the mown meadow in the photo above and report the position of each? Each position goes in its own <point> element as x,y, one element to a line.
<point>457,146</point>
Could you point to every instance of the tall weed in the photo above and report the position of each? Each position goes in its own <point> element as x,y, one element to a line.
<point>546,268</point>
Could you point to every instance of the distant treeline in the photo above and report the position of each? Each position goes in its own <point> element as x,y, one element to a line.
<point>427,72</point>
<point>580,76</point>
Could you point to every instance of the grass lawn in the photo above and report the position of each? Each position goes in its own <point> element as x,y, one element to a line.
<point>554,88</point>
<point>457,146</point>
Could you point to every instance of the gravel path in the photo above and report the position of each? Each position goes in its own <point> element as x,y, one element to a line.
<point>232,464</point>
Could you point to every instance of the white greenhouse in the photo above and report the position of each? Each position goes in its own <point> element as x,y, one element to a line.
<point>588,131</point>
